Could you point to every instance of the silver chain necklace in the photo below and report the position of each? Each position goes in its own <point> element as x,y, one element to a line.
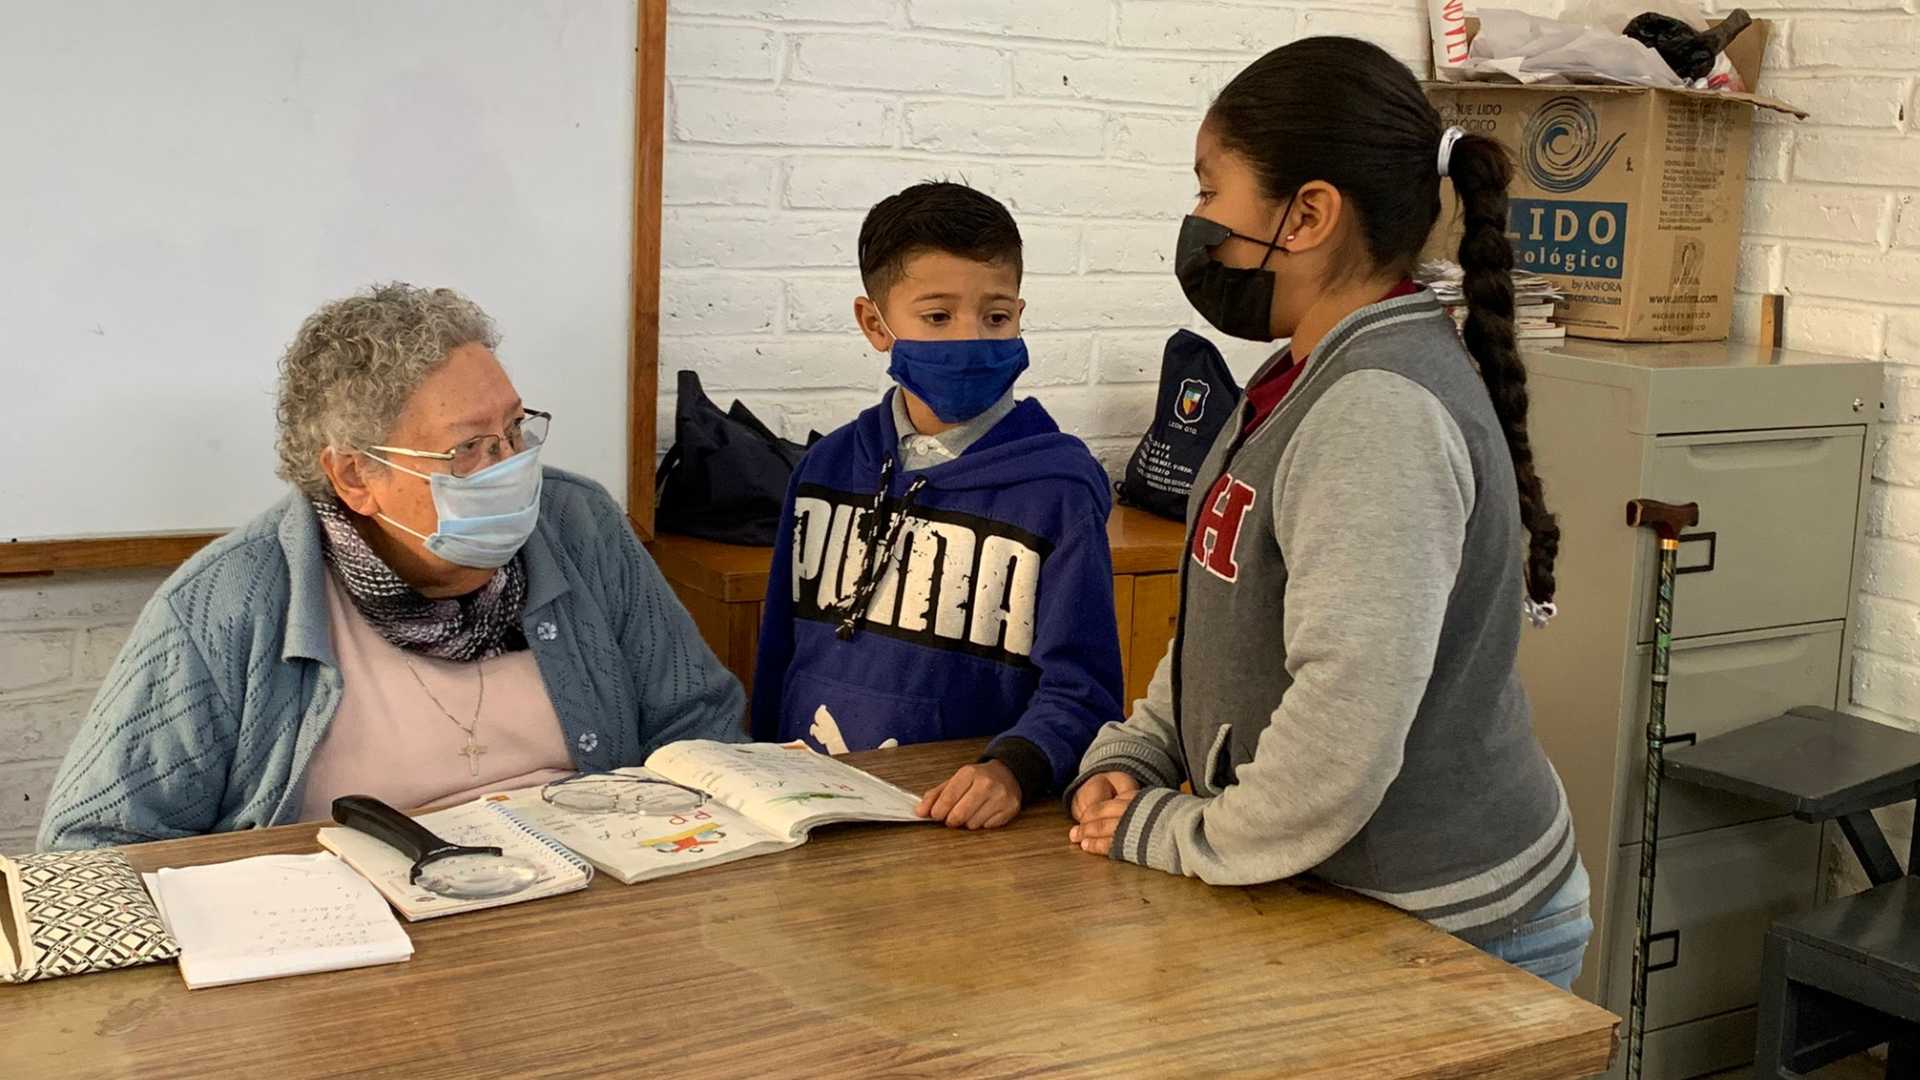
<point>474,747</point>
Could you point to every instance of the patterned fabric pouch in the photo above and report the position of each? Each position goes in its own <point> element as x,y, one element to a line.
<point>73,912</point>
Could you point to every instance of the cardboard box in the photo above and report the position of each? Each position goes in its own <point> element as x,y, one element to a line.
<point>1629,199</point>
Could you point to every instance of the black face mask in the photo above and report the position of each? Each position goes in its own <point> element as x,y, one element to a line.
<point>1236,300</point>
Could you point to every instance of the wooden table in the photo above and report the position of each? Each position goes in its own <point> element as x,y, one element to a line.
<point>874,950</point>
<point>722,586</point>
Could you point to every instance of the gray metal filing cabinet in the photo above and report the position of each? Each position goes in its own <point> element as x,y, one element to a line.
<point>1775,446</point>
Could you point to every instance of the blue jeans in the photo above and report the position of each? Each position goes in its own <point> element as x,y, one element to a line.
<point>1552,943</point>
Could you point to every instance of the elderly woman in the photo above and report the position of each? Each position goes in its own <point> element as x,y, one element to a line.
<point>430,615</point>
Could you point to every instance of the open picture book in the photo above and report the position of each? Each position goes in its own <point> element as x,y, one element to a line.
<point>762,797</point>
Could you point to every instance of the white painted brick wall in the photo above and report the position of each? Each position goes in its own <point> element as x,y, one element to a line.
<point>1201,24</point>
<point>787,120</point>
<point>1064,20</point>
<point>58,636</point>
<point>1837,207</point>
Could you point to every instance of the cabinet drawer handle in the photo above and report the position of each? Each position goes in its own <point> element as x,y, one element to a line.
<point>1763,454</point>
<point>1656,939</point>
<point>1712,540</point>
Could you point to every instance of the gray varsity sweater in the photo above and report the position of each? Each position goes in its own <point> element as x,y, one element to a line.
<point>1341,692</point>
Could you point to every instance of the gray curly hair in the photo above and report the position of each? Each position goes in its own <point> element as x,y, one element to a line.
<point>354,364</point>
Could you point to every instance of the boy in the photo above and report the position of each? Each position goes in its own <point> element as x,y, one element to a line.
<point>942,569</point>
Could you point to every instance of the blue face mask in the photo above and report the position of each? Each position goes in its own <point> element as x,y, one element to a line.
<point>958,380</point>
<point>485,518</point>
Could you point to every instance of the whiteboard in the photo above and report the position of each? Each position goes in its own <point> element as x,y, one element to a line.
<point>182,183</point>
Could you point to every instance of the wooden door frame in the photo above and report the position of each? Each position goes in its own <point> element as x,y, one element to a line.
<point>643,348</point>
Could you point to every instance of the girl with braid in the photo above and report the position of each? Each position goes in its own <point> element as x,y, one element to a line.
<point>1366,538</point>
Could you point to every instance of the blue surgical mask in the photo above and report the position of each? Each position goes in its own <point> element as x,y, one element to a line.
<point>958,380</point>
<point>485,518</point>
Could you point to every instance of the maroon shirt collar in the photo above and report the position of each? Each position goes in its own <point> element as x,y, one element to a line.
<point>1268,391</point>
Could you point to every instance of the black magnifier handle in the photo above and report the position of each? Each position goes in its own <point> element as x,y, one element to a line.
<point>369,815</point>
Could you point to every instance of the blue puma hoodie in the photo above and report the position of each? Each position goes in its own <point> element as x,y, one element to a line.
<point>994,616</point>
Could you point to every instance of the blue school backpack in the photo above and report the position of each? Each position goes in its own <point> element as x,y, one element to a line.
<point>1197,398</point>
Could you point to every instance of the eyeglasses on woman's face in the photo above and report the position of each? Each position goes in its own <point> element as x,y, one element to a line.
<point>477,453</point>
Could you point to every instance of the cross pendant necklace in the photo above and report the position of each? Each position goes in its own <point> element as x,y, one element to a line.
<point>474,747</point>
<point>472,752</point>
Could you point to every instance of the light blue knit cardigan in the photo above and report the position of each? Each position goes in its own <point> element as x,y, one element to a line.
<point>210,716</point>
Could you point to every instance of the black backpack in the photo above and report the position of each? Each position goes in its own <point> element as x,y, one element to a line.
<point>725,477</point>
<point>1197,399</point>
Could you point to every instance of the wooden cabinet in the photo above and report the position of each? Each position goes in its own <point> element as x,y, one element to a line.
<point>1145,634</point>
<point>723,586</point>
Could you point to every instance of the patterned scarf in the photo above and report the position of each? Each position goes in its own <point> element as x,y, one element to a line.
<point>478,626</point>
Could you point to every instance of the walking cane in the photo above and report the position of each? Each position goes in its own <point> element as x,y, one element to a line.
<point>1666,520</point>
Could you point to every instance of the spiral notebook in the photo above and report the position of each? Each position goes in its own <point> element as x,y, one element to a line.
<point>473,824</point>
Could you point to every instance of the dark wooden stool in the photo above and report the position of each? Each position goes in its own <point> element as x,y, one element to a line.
<point>1846,976</point>
<point>1841,979</point>
<point>1818,765</point>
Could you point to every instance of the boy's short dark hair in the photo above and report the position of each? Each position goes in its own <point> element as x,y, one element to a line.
<point>938,215</point>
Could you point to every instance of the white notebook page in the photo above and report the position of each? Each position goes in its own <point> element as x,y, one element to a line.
<point>275,915</point>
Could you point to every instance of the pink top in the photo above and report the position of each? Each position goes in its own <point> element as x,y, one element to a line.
<point>388,739</point>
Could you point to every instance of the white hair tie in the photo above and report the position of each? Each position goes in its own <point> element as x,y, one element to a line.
<point>1447,139</point>
<point>1539,614</point>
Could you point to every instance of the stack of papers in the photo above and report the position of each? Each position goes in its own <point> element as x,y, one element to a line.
<point>275,915</point>
<point>1534,299</point>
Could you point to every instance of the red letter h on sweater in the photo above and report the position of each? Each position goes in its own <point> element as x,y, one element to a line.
<point>1216,533</point>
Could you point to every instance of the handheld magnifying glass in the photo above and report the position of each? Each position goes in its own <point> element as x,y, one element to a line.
<point>439,866</point>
